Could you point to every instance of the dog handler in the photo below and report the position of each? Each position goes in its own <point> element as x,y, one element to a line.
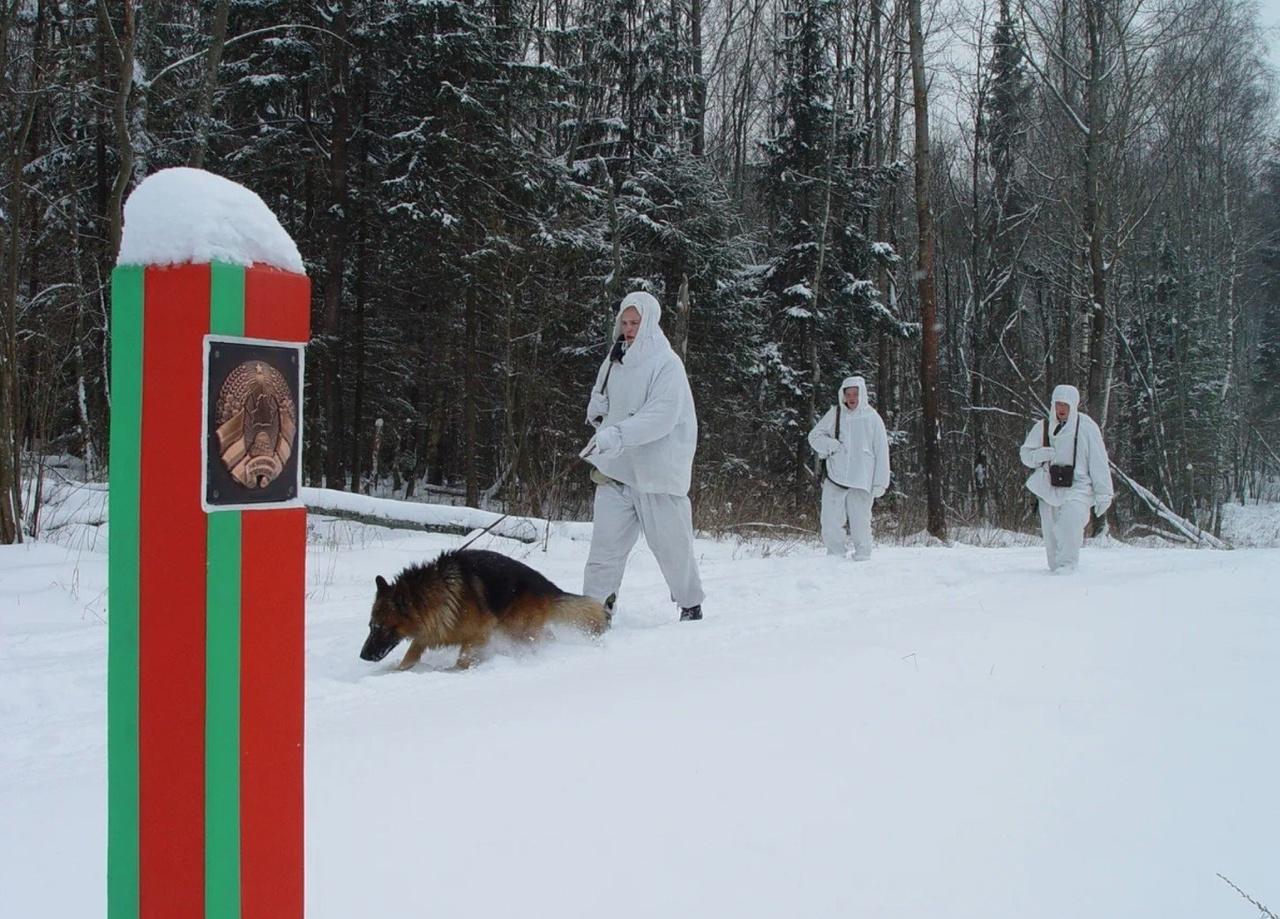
<point>1071,472</point>
<point>852,440</point>
<point>646,434</point>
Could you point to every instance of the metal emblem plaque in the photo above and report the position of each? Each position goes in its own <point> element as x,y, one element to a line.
<point>252,420</point>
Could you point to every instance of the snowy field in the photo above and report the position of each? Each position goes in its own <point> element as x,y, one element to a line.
<point>940,732</point>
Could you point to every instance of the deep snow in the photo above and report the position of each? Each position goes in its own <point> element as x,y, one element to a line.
<point>181,215</point>
<point>939,732</point>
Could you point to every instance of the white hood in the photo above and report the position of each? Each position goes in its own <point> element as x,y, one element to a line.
<point>864,405</point>
<point>1068,394</point>
<point>650,341</point>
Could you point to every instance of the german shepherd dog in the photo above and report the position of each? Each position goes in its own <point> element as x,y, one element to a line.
<point>463,598</point>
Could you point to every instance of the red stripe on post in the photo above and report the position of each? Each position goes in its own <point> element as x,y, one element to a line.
<point>274,545</point>
<point>277,304</point>
<point>171,679</point>
<point>272,655</point>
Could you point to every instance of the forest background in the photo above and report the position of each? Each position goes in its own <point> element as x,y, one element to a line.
<point>474,185</point>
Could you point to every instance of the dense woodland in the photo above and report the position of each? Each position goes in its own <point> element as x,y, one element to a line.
<point>474,186</point>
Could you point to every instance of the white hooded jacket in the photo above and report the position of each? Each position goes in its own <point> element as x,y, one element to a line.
<point>860,458</point>
<point>1091,482</point>
<point>651,405</point>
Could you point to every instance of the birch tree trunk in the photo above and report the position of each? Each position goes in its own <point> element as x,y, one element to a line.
<point>1094,211</point>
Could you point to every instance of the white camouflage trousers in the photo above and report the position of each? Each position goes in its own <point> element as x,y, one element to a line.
<point>1063,529</point>
<point>621,515</point>
<point>843,507</point>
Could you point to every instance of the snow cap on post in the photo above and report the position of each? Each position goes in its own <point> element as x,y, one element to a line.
<point>181,215</point>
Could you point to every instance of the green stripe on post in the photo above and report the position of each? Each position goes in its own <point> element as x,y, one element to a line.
<point>226,299</point>
<point>222,655</point>
<point>222,718</point>
<point>123,499</point>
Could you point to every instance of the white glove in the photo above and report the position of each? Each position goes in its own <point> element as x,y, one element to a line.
<point>1101,505</point>
<point>597,408</point>
<point>1045,455</point>
<point>878,491</point>
<point>609,442</point>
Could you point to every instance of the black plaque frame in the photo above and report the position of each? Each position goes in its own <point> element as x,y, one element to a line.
<point>220,491</point>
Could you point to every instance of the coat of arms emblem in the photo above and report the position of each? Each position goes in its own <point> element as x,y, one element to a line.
<point>256,421</point>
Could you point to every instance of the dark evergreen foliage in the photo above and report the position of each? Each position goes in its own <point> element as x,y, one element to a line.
<point>474,186</point>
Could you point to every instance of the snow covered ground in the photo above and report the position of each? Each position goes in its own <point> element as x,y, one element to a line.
<point>1251,525</point>
<point>940,732</point>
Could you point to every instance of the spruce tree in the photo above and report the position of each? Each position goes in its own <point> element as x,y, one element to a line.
<point>820,279</point>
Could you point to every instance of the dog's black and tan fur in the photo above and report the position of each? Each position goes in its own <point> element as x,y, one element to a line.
<point>464,598</point>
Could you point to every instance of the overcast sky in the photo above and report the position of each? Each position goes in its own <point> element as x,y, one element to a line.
<point>1270,15</point>
<point>954,61</point>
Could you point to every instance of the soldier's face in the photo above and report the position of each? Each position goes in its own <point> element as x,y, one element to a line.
<point>851,397</point>
<point>630,323</point>
<point>1062,410</point>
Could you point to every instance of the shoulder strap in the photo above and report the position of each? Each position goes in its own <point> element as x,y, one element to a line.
<point>609,369</point>
<point>1046,432</point>
<point>826,464</point>
<point>1075,442</point>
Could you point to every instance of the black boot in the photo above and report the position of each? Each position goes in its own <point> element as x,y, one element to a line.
<point>691,613</point>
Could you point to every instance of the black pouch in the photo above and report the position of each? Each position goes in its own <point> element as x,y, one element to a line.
<point>1062,476</point>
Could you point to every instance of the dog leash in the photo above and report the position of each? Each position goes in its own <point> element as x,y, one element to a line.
<point>586,451</point>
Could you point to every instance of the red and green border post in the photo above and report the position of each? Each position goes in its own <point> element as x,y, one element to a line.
<point>205,649</point>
